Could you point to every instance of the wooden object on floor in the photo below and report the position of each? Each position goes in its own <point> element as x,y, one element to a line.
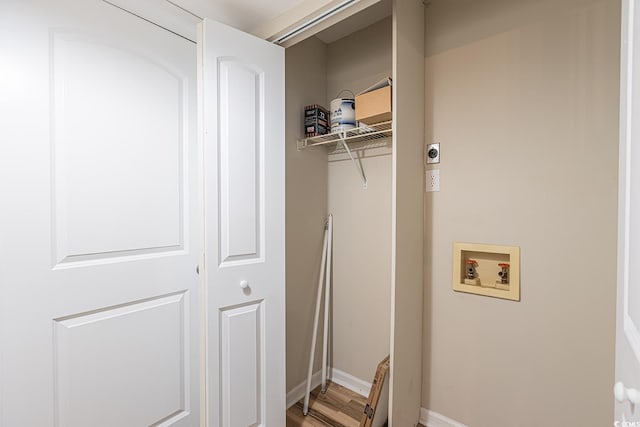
<point>338,399</point>
<point>374,395</point>
<point>338,407</point>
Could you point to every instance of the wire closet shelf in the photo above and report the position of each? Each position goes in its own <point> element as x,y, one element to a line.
<point>360,138</point>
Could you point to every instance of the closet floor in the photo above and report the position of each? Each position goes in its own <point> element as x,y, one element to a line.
<point>338,407</point>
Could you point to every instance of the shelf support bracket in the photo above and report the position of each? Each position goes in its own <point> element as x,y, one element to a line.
<point>355,162</point>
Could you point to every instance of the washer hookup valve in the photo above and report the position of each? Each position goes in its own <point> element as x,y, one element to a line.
<point>503,274</point>
<point>471,269</point>
<point>470,275</point>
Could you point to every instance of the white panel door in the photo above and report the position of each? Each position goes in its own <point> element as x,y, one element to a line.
<point>626,389</point>
<point>99,219</point>
<point>243,87</point>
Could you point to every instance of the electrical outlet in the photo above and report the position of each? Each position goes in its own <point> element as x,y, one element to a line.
<point>432,154</point>
<point>432,180</point>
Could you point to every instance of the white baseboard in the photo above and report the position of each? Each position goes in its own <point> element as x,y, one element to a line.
<point>433,419</point>
<point>337,376</point>
<point>298,391</point>
<point>349,381</point>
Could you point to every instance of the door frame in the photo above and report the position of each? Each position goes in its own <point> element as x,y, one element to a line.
<point>627,347</point>
<point>164,14</point>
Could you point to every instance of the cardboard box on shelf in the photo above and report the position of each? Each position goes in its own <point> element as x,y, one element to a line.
<point>316,120</point>
<point>373,105</point>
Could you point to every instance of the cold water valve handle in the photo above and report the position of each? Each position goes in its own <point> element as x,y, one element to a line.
<point>504,273</point>
<point>471,268</point>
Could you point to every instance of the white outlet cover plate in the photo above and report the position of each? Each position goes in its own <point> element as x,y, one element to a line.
<point>432,180</point>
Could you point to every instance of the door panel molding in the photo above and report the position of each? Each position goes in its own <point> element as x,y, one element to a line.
<point>103,207</point>
<point>243,366</point>
<point>241,140</point>
<point>100,351</point>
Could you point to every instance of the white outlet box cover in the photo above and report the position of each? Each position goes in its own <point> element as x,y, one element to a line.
<point>432,178</point>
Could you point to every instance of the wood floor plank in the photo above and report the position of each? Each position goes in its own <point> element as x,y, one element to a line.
<point>338,407</point>
<point>295,418</point>
<point>322,417</point>
<point>354,409</point>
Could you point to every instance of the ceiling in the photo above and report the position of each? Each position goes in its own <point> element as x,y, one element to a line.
<point>356,22</point>
<point>245,15</point>
<point>254,15</point>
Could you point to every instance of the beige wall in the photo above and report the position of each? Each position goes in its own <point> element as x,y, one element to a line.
<point>362,217</point>
<point>306,204</point>
<point>362,264</point>
<point>317,185</point>
<point>523,97</point>
<point>359,60</point>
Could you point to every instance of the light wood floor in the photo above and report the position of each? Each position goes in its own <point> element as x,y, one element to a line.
<point>338,407</point>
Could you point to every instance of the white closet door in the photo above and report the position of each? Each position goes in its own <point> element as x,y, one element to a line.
<point>99,219</point>
<point>243,87</point>
<point>627,411</point>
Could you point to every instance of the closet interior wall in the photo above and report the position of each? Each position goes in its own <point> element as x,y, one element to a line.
<point>317,184</point>
<point>306,205</point>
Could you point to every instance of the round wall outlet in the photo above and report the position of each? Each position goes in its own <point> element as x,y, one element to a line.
<point>433,153</point>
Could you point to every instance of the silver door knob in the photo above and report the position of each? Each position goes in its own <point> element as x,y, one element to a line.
<point>621,393</point>
<point>244,284</point>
